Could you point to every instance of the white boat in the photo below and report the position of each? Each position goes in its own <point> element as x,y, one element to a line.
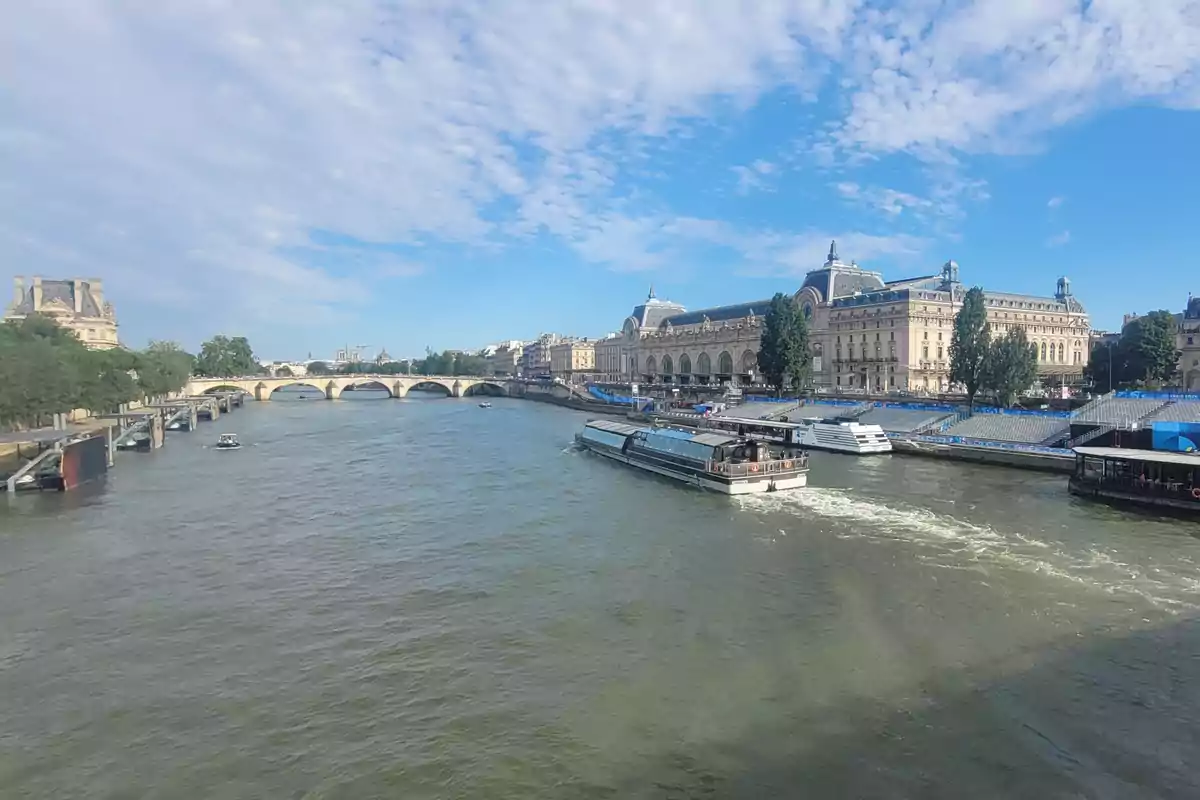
<point>485,404</point>
<point>713,460</point>
<point>228,441</point>
<point>814,433</point>
<point>842,436</point>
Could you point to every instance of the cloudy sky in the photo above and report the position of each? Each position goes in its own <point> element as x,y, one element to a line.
<point>451,172</point>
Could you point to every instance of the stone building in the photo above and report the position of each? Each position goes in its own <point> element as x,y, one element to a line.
<point>505,359</point>
<point>76,304</point>
<point>572,357</point>
<point>865,332</point>
<point>610,365</point>
<point>535,356</point>
<point>1188,344</point>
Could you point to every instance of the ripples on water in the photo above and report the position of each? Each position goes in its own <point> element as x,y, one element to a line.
<point>424,599</point>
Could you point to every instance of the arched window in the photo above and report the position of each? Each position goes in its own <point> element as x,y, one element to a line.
<point>725,363</point>
<point>1043,351</point>
<point>667,365</point>
<point>651,366</point>
<point>749,361</point>
<point>1062,359</point>
<point>685,365</point>
<point>703,365</point>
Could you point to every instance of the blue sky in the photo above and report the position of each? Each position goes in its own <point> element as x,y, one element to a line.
<point>412,174</point>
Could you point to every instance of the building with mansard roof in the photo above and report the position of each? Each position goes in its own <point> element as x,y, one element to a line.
<point>865,332</point>
<point>76,304</point>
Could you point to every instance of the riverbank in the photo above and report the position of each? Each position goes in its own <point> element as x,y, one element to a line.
<point>989,456</point>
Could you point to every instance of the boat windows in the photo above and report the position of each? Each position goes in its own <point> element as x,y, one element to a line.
<point>608,438</point>
<point>677,443</point>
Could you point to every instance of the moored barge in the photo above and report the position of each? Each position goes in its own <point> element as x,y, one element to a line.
<point>717,461</point>
<point>1154,478</point>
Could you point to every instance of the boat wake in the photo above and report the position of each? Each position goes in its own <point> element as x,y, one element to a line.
<point>953,543</point>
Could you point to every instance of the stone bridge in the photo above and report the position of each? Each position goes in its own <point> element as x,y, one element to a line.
<point>332,386</point>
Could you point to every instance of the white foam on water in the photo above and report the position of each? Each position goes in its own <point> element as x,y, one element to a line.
<point>958,544</point>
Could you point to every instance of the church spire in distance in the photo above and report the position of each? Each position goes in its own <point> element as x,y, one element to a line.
<point>651,295</point>
<point>833,256</point>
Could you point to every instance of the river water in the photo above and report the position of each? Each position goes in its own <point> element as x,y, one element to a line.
<point>425,599</point>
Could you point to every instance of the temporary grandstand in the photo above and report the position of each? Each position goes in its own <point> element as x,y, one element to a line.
<point>1018,428</point>
<point>761,410</point>
<point>905,420</point>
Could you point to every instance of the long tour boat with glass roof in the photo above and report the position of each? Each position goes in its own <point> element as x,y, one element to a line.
<point>715,460</point>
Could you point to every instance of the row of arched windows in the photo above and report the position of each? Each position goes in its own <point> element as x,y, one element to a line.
<point>1052,354</point>
<point>703,364</point>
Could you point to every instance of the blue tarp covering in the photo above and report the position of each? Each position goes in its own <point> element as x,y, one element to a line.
<point>1179,437</point>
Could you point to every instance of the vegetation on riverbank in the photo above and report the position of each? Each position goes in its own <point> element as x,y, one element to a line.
<point>445,363</point>
<point>783,352</point>
<point>1143,357</point>
<point>45,370</point>
<point>1003,366</point>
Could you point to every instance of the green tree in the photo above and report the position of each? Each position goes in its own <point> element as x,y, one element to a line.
<point>35,382</point>
<point>970,344</point>
<point>1010,366</point>
<point>783,353</point>
<point>225,357</point>
<point>1149,348</point>
<point>1108,366</point>
<point>163,368</point>
<point>318,368</point>
<point>284,372</point>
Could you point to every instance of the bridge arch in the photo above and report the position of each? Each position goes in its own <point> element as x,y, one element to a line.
<point>270,387</point>
<point>486,388</point>
<point>363,383</point>
<point>228,387</point>
<point>431,384</point>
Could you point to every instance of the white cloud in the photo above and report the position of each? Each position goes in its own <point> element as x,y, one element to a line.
<point>1054,202</point>
<point>753,176</point>
<point>987,74</point>
<point>1059,239</point>
<point>183,150</point>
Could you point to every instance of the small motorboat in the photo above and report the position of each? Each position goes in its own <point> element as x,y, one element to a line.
<point>485,404</point>
<point>228,441</point>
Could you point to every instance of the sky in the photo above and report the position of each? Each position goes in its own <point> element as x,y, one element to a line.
<point>449,173</point>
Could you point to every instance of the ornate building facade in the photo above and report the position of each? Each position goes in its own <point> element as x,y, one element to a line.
<point>1188,343</point>
<point>865,332</point>
<point>76,304</point>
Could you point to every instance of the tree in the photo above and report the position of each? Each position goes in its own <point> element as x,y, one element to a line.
<point>970,343</point>
<point>318,368</point>
<point>783,354</point>
<point>37,383</point>
<point>163,368</point>
<point>1107,366</point>
<point>1010,366</point>
<point>1149,345</point>
<point>284,372</point>
<point>225,357</point>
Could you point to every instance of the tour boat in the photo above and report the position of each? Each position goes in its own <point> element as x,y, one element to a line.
<point>814,433</point>
<point>712,460</point>
<point>228,441</point>
<point>485,404</point>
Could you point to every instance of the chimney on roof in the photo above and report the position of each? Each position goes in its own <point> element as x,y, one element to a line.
<point>96,287</point>
<point>37,293</point>
<point>18,290</point>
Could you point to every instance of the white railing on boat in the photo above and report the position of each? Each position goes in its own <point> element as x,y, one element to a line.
<point>753,468</point>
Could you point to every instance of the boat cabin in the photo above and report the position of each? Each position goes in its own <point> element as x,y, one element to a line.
<point>1145,477</point>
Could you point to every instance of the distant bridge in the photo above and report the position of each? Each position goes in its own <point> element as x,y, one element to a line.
<point>332,386</point>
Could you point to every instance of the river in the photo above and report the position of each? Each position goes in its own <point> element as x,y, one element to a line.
<point>426,599</point>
